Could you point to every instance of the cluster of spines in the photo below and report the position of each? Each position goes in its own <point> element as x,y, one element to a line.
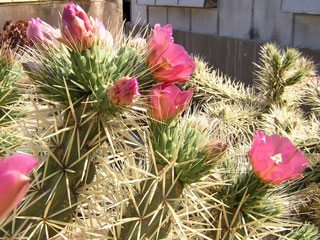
<point>283,77</point>
<point>248,197</point>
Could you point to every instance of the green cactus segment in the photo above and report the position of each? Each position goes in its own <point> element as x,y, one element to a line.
<point>130,62</point>
<point>248,208</point>
<point>311,176</point>
<point>67,168</point>
<point>281,72</point>
<point>54,77</point>
<point>185,144</point>
<point>305,232</point>
<point>96,68</point>
<point>66,75</point>
<point>10,73</point>
<point>8,141</point>
<point>87,67</point>
<point>77,84</point>
<point>101,102</point>
<point>165,141</point>
<point>193,161</point>
<point>153,208</point>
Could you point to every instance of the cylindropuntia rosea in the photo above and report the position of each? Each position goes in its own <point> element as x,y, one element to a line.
<point>78,115</point>
<point>120,159</point>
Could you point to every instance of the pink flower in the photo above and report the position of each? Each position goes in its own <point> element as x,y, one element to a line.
<point>14,181</point>
<point>82,31</point>
<point>168,101</point>
<point>169,61</point>
<point>42,32</point>
<point>275,159</point>
<point>124,91</point>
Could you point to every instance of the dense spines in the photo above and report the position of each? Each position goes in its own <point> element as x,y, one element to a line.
<point>77,121</point>
<point>304,232</point>
<point>276,108</point>
<point>10,98</point>
<point>152,207</point>
<point>62,173</point>
<point>107,171</point>
<point>282,75</point>
<point>213,87</point>
<point>183,155</point>
<point>248,209</point>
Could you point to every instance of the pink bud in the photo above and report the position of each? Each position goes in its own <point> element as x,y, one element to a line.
<point>81,31</point>
<point>169,61</point>
<point>14,181</point>
<point>275,159</point>
<point>124,91</point>
<point>101,33</point>
<point>42,32</point>
<point>168,101</point>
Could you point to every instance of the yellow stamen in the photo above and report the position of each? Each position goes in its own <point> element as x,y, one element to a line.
<point>277,158</point>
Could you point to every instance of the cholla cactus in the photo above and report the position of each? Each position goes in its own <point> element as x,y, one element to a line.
<point>10,74</point>
<point>307,231</point>
<point>77,114</point>
<point>87,110</point>
<point>121,159</point>
<point>285,80</point>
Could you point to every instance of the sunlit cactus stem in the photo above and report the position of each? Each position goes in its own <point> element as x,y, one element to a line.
<point>10,75</point>
<point>84,94</point>
<point>184,153</point>
<point>151,206</point>
<point>248,206</point>
<point>68,167</point>
<point>305,232</point>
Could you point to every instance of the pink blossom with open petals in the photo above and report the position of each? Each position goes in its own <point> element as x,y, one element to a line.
<point>275,159</point>
<point>168,101</point>
<point>80,30</point>
<point>41,32</point>
<point>124,91</point>
<point>14,181</point>
<point>169,61</point>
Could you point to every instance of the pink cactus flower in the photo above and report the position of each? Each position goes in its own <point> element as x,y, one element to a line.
<point>168,101</point>
<point>275,159</point>
<point>124,91</point>
<point>169,61</point>
<point>80,30</point>
<point>14,181</point>
<point>41,32</point>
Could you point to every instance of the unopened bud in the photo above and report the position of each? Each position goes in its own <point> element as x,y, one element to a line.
<point>215,151</point>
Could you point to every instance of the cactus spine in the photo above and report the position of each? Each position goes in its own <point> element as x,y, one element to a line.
<point>77,117</point>
<point>112,171</point>
<point>10,74</point>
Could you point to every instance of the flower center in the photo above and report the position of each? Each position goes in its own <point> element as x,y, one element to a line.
<point>277,158</point>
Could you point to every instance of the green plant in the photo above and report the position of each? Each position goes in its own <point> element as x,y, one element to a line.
<point>121,159</point>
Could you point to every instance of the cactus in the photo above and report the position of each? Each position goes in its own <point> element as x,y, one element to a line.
<point>10,74</point>
<point>283,80</point>
<point>183,155</point>
<point>249,209</point>
<point>77,118</point>
<point>306,231</point>
<point>114,165</point>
